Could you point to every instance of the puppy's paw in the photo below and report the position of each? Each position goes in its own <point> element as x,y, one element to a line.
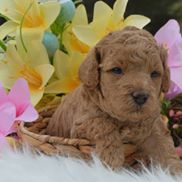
<point>112,157</point>
<point>115,162</point>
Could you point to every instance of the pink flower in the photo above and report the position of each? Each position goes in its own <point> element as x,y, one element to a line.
<point>14,107</point>
<point>179,151</point>
<point>169,36</point>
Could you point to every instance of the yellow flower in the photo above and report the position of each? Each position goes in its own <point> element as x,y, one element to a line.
<point>67,65</point>
<point>36,17</point>
<point>106,20</point>
<point>66,72</point>
<point>69,40</point>
<point>32,65</point>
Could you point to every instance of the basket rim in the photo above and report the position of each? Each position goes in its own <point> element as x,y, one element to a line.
<point>52,139</point>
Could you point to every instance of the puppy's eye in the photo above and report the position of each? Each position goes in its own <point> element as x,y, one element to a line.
<point>155,74</point>
<point>117,70</point>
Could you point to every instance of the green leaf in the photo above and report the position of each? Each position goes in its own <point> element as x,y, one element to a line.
<point>2,45</point>
<point>165,106</point>
<point>57,27</point>
<point>65,16</point>
<point>63,48</point>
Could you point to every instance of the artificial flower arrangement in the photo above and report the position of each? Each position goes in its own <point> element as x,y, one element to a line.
<point>43,43</point>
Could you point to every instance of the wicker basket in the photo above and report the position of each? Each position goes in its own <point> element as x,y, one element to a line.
<point>34,135</point>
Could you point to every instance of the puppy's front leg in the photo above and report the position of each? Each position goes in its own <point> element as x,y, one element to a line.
<point>160,148</point>
<point>105,135</point>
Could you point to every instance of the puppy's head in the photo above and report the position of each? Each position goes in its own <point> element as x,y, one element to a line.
<point>125,74</point>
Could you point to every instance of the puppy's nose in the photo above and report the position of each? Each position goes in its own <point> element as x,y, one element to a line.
<point>140,97</point>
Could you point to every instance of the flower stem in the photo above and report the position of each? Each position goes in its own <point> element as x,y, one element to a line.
<point>21,26</point>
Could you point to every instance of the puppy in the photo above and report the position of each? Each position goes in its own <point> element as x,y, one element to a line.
<point>118,100</point>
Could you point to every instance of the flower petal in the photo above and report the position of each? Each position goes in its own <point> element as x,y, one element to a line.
<point>7,9</point>
<point>119,10</point>
<point>50,11</point>
<point>178,151</point>
<point>13,58</point>
<point>175,54</point>
<point>29,114</point>
<point>45,71</point>
<point>61,61</point>
<point>13,129</point>
<point>99,7</point>
<point>20,8</point>
<point>39,51</point>
<point>60,86</point>
<point>34,14</point>
<point>175,74</point>
<point>30,35</point>
<point>20,96</point>
<point>67,65</point>
<point>7,76</point>
<point>138,21</point>
<point>36,95</point>
<point>174,90</point>
<point>74,64</point>
<point>86,35</point>
<point>98,31</point>
<point>7,28</point>
<point>3,95</point>
<point>80,17</point>
<point>7,114</point>
<point>168,33</point>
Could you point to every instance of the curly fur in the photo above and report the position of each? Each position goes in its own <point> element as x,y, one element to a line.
<point>102,109</point>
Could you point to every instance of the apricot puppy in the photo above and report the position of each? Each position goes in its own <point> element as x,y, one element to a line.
<point>118,100</point>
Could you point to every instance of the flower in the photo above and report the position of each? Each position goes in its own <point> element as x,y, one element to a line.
<point>178,151</point>
<point>69,40</point>
<point>34,17</point>
<point>169,36</point>
<point>67,11</point>
<point>67,65</point>
<point>106,20</point>
<point>32,65</point>
<point>51,43</point>
<point>14,107</point>
<point>66,71</point>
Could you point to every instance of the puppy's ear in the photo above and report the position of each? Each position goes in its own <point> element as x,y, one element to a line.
<point>89,69</point>
<point>166,76</point>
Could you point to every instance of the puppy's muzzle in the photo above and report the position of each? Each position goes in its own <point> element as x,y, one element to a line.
<point>140,97</point>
